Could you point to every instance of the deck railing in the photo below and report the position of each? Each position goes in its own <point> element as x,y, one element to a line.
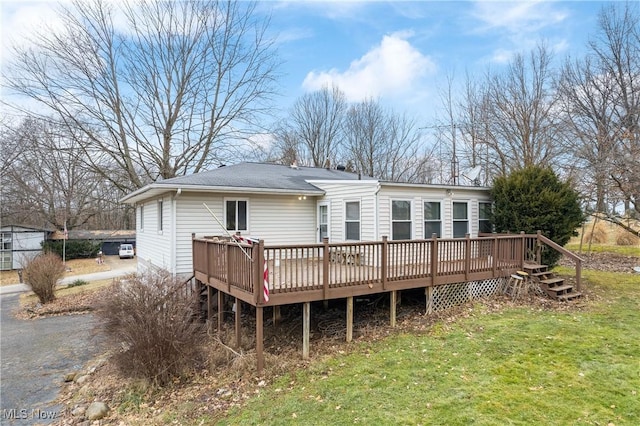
<point>298,273</point>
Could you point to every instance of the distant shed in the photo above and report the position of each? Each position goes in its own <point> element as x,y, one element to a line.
<point>19,244</point>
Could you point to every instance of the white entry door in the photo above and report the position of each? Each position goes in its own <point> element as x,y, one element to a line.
<point>323,221</point>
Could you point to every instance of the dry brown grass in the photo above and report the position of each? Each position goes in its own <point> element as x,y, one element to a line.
<point>598,234</point>
<point>625,238</point>
<point>74,267</point>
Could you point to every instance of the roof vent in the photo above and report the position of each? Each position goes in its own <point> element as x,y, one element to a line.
<point>221,165</point>
<point>294,165</point>
<point>341,168</point>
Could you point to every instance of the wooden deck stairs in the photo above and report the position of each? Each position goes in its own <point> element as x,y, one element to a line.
<point>550,283</point>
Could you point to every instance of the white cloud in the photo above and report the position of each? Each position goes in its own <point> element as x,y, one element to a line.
<point>392,68</point>
<point>519,16</point>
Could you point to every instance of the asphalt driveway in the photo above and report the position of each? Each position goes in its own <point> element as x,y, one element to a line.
<point>35,356</point>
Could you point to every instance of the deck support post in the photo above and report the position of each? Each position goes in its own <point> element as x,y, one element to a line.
<point>429,293</point>
<point>260,338</point>
<point>349,318</point>
<point>238,306</point>
<point>277,316</point>
<point>209,306</point>
<point>392,306</point>
<point>306,314</point>
<point>220,310</point>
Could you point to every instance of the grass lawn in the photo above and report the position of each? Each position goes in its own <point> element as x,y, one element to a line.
<point>519,366</point>
<point>605,248</point>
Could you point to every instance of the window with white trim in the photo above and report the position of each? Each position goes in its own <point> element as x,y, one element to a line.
<point>236,215</point>
<point>460,219</point>
<point>400,220</point>
<point>484,217</point>
<point>432,219</point>
<point>352,220</point>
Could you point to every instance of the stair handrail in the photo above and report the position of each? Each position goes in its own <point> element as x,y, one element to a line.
<point>557,247</point>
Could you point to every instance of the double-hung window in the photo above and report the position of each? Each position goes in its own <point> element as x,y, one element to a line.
<point>484,218</point>
<point>432,219</point>
<point>236,215</point>
<point>400,220</point>
<point>352,220</point>
<point>460,219</point>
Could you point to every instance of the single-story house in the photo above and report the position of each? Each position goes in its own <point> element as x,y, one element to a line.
<point>110,240</point>
<point>19,244</point>
<point>295,205</point>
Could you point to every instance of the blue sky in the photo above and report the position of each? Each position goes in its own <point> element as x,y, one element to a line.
<point>404,52</point>
<point>401,52</point>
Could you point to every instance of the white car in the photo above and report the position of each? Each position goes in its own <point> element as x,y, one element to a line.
<point>126,251</point>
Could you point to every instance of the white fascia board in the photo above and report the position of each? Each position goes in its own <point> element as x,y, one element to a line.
<point>435,186</point>
<point>155,189</point>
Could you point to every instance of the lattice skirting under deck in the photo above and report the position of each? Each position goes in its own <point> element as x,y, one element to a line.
<point>450,295</point>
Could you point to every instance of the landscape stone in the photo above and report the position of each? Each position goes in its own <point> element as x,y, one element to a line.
<point>96,410</point>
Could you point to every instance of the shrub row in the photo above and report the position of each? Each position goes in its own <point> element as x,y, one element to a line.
<point>74,249</point>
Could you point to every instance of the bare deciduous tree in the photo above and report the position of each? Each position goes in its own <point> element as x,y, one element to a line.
<point>601,101</point>
<point>385,145</point>
<point>49,183</point>
<point>316,122</point>
<point>163,88</point>
<point>523,128</point>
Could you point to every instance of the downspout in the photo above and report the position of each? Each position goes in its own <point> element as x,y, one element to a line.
<point>174,229</point>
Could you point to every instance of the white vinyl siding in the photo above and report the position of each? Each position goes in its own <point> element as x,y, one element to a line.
<point>277,219</point>
<point>154,247</point>
<point>337,194</point>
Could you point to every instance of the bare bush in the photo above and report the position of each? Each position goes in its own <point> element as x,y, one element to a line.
<point>42,273</point>
<point>599,234</point>
<point>150,320</point>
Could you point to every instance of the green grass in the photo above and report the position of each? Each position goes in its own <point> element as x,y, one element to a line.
<point>602,248</point>
<point>520,366</point>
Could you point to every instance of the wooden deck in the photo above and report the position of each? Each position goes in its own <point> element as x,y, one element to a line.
<point>313,272</point>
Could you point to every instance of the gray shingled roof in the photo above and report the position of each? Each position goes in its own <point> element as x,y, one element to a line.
<point>261,175</point>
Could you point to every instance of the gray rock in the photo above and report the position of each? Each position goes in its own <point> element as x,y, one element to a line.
<point>79,411</point>
<point>81,379</point>
<point>96,411</point>
<point>70,376</point>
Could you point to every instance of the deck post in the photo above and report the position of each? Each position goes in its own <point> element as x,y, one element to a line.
<point>325,267</point>
<point>467,256</point>
<point>276,315</point>
<point>220,310</point>
<point>306,314</point>
<point>238,307</point>
<point>349,318</point>
<point>495,256</point>
<point>538,247</point>
<point>429,294</point>
<point>522,248</point>
<point>383,260</point>
<point>434,258</point>
<point>392,306</point>
<point>209,304</point>
<point>259,338</point>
